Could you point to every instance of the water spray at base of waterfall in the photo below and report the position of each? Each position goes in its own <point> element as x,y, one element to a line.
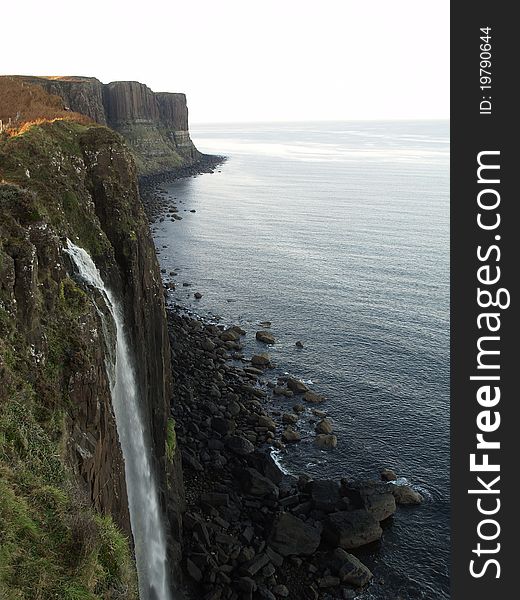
<point>145,514</point>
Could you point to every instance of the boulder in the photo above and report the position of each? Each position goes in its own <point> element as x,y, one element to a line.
<point>349,568</point>
<point>291,536</point>
<point>239,445</point>
<point>281,591</point>
<point>378,500</point>
<point>194,571</point>
<point>291,435</point>
<point>208,345</point>
<point>297,386</point>
<point>289,418</point>
<point>352,529</point>
<point>325,494</point>
<point>265,337</point>
<point>326,441</point>
<point>388,475</point>
<point>299,344</point>
<point>266,421</point>
<point>261,360</point>
<point>253,371</point>
<point>406,495</point>
<point>255,484</point>
<point>238,329</point>
<point>230,335</point>
<point>324,426</point>
<point>312,397</point>
<point>222,425</point>
<point>198,295</point>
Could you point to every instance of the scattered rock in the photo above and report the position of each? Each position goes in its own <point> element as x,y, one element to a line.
<point>230,335</point>
<point>297,386</point>
<point>388,475</point>
<point>328,581</point>
<point>406,495</point>
<point>268,422</point>
<point>261,360</point>
<point>324,426</point>
<point>291,536</point>
<point>255,484</point>
<point>265,337</point>
<point>194,571</point>
<point>378,500</point>
<point>325,494</point>
<point>239,445</point>
<point>352,529</point>
<point>289,418</point>
<point>350,569</point>
<point>326,441</point>
<point>291,435</point>
<point>312,397</point>
<point>281,591</point>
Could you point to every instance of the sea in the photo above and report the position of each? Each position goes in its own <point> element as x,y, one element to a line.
<point>338,234</point>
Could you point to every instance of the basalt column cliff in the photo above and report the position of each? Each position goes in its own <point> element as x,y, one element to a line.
<point>155,125</point>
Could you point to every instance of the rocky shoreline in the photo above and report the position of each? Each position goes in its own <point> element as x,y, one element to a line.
<point>252,531</point>
<point>149,185</point>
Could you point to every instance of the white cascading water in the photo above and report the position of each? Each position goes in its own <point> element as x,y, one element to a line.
<point>145,515</point>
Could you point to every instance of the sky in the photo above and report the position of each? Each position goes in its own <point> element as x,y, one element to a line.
<point>248,60</point>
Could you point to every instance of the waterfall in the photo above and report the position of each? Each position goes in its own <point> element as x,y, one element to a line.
<point>145,515</point>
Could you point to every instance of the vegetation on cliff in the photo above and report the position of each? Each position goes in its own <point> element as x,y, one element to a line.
<point>53,541</point>
<point>23,105</point>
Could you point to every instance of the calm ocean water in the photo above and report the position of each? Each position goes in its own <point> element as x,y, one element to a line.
<point>338,233</point>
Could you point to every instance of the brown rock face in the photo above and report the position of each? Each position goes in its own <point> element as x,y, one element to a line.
<point>129,102</point>
<point>173,110</point>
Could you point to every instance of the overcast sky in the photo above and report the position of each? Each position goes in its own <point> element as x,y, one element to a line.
<point>247,60</point>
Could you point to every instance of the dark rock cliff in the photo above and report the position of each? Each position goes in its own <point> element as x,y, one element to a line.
<point>57,431</point>
<point>155,125</point>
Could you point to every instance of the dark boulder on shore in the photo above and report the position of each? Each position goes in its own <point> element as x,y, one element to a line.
<point>291,536</point>
<point>352,529</point>
<point>326,441</point>
<point>261,360</point>
<point>349,568</point>
<point>406,495</point>
<point>265,337</point>
<point>239,445</point>
<point>325,494</point>
<point>296,386</point>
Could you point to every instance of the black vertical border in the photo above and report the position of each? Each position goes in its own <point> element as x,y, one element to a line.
<point>472,133</point>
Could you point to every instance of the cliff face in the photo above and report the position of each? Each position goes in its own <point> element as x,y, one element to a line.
<point>155,125</point>
<point>61,466</point>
